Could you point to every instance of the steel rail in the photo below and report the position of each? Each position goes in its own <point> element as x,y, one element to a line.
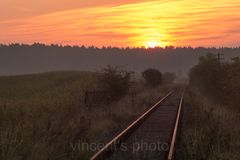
<point>125,132</point>
<point>175,131</point>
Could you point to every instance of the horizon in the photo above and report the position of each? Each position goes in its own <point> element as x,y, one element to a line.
<point>129,23</point>
<point>126,47</point>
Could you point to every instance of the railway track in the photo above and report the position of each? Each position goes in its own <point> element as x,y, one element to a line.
<point>152,136</point>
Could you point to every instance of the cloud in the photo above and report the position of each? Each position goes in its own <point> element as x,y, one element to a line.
<point>178,22</point>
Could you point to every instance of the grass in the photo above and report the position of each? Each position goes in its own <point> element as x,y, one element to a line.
<point>44,116</point>
<point>211,131</point>
<point>36,113</point>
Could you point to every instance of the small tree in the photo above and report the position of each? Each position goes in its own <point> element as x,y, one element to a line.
<point>115,82</point>
<point>153,77</point>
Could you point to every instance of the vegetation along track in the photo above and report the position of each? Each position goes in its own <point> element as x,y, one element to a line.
<point>151,136</point>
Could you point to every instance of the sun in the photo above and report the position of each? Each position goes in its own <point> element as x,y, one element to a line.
<point>152,44</point>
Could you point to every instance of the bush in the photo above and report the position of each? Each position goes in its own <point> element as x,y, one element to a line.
<point>231,82</point>
<point>153,77</point>
<point>221,81</point>
<point>205,71</point>
<point>207,75</point>
<point>115,82</point>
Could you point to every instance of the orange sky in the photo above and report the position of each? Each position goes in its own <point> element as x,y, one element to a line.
<point>126,23</point>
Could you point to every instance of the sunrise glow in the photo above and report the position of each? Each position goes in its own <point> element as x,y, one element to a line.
<point>129,23</point>
<point>152,44</point>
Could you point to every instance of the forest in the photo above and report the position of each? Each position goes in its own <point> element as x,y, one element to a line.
<point>18,59</point>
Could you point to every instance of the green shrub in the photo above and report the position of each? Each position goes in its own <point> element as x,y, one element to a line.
<point>115,82</point>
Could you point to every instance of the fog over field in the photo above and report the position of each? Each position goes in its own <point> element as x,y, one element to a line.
<point>18,59</point>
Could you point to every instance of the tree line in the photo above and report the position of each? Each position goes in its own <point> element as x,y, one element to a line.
<point>112,49</point>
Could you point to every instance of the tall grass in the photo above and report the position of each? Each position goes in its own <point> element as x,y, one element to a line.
<point>211,131</point>
<point>36,112</point>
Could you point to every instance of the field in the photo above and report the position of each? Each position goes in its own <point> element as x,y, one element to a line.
<point>47,116</point>
<point>44,116</point>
